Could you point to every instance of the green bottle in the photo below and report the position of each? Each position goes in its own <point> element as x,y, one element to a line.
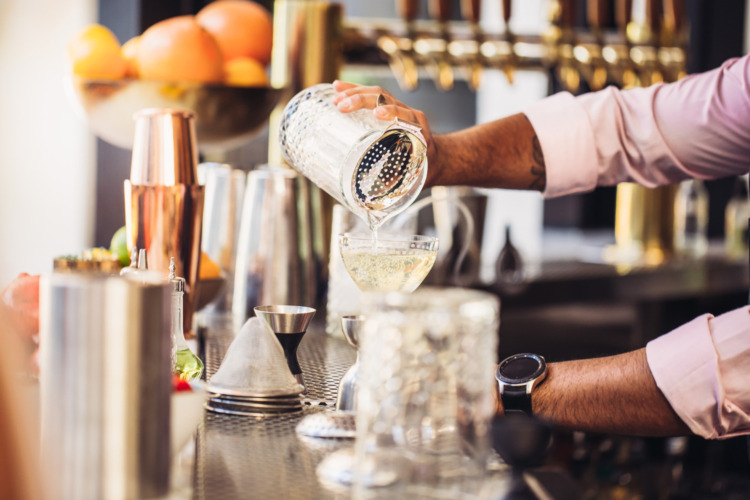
<point>185,364</point>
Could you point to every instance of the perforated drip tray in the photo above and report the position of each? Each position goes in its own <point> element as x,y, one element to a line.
<point>257,455</point>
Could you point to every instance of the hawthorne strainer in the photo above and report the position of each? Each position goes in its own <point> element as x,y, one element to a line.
<point>375,168</point>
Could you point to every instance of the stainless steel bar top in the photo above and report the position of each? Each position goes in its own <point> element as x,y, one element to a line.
<point>262,457</point>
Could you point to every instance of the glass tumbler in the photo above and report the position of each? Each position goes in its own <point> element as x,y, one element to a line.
<point>424,402</point>
<point>375,168</point>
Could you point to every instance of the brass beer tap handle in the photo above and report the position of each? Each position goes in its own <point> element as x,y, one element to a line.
<point>653,16</point>
<point>644,33</point>
<point>509,67</point>
<point>597,13</point>
<point>408,10</point>
<point>567,72</point>
<point>400,53</point>
<point>594,69</point>
<point>440,10</point>
<point>672,53</point>
<point>470,11</point>
<point>567,14</point>
<point>623,16</point>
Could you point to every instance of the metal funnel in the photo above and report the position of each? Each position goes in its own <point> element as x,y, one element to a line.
<point>286,319</point>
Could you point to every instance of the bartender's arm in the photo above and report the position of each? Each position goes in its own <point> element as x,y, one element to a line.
<point>692,378</point>
<point>694,128</point>
<point>615,395</point>
<point>502,154</point>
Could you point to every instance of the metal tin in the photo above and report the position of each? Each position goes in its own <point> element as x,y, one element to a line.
<point>105,385</point>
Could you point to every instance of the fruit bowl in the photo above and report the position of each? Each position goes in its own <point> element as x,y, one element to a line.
<point>207,290</point>
<point>226,116</point>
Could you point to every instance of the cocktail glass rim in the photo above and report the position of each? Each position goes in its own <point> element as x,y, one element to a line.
<point>383,238</point>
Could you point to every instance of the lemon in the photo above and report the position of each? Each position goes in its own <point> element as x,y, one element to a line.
<point>94,52</point>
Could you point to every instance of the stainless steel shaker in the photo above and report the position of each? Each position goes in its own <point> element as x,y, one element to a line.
<point>224,191</point>
<point>105,381</point>
<point>163,200</point>
<point>275,262</point>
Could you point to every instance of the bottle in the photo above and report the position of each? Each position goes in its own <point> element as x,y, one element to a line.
<point>736,218</point>
<point>691,219</point>
<point>185,364</point>
<point>133,262</point>
<point>509,263</point>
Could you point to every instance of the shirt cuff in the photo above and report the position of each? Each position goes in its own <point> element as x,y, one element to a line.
<point>696,376</point>
<point>568,148</point>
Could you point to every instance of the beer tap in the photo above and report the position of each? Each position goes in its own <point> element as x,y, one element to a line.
<point>590,54</point>
<point>509,65</point>
<point>473,58</point>
<point>440,58</point>
<point>399,50</point>
<point>672,52</point>
<point>567,72</point>
<point>551,37</point>
<point>617,55</point>
<point>643,33</point>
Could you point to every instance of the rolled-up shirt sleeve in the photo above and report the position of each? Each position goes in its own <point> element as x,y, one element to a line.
<point>703,369</point>
<point>698,127</point>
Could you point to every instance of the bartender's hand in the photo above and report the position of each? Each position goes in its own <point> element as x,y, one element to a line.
<point>20,299</point>
<point>19,313</point>
<point>352,97</point>
<point>502,154</point>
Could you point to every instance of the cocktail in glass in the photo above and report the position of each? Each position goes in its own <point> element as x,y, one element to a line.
<point>388,263</point>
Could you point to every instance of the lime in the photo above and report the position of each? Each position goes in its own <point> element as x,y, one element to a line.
<point>119,246</point>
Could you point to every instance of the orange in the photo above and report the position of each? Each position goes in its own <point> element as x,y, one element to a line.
<point>95,53</point>
<point>179,49</point>
<point>208,268</point>
<point>242,28</point>
<point>129,51</point>
<point>245,72</point>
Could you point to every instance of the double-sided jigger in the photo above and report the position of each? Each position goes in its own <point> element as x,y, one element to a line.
<point>339,423</point>
<point>256,376</point>
<point>289,323</point>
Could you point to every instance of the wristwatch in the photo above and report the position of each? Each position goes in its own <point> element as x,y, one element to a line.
<point>517,376</point>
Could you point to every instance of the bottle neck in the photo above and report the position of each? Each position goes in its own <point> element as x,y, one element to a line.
<point>177,315</point>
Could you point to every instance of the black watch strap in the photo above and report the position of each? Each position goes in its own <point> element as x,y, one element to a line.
<point>516,402</point>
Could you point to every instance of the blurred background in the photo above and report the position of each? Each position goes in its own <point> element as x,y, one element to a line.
<point>60,187</point>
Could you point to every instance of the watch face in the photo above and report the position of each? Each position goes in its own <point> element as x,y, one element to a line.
<point>520,368</point>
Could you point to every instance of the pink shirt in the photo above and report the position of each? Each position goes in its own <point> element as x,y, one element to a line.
<point>697,127</point>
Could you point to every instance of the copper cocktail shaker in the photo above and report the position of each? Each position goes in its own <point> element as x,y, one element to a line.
<point>163,200</point>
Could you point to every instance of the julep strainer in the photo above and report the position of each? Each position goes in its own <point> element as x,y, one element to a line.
<point>373,167</point>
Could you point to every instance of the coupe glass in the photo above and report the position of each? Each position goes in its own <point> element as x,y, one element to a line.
<point>388,263</point>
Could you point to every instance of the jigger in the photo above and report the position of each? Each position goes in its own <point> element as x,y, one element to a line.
<point>289,323</point>
<point>345,401</point>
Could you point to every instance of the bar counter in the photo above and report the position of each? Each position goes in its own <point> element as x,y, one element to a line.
<point>262,457</point>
